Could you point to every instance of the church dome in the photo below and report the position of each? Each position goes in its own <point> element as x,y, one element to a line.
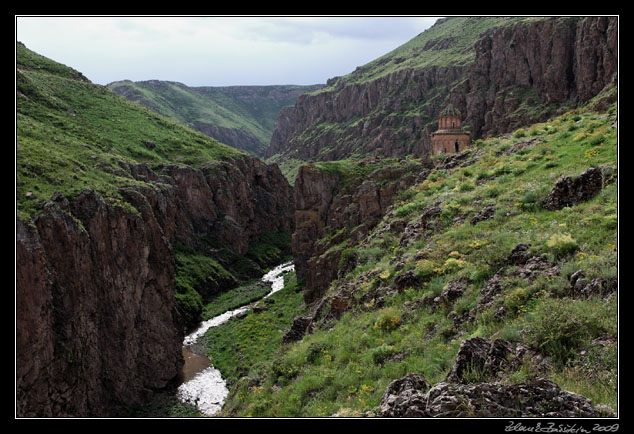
<point>450,110</point>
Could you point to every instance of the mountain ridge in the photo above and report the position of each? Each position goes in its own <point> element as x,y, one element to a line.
<point>500,73</point>
<point>240,116</point>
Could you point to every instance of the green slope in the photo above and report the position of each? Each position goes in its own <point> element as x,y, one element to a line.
<point>73,134</point>
<point>250,111</point>
<point>345,365</point>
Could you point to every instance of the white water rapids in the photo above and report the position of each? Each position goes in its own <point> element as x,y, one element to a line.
<point>207,390</point>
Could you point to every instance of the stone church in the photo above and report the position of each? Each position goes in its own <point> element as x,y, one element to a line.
<point>450,136</point>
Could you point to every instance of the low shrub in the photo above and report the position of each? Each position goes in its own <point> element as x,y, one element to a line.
<point>382,353</point>
<point>561,245</point>
<point>388,319</point>
<point>561,328</point>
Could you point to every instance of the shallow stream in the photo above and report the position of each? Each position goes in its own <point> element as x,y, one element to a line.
<point>203,385</point>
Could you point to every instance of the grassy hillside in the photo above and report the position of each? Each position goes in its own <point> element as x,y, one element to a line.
<point>73,134</point>
<point>345,365</point>
<point>250,110</point>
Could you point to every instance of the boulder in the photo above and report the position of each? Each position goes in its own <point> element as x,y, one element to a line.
<point>404,397</point>
<point>412,396</point>
<point>300,327</point>
<point>569,190</point>
<point>485,358</point>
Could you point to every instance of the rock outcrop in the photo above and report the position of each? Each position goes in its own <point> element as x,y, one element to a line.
<point>569,191</point>
<point>96,320</point>
<point>324,205</point>
<point>96,324</point>
<point>518,75</point>
<point>460,396</point>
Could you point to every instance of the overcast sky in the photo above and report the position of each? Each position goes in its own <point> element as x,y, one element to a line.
<point>216,51</point>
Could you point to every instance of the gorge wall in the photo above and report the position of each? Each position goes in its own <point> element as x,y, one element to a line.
<point>334,208</point>
<point>97,325</point>
<point>520,73</point>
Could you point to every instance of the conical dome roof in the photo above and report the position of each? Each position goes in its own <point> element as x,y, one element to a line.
<point>450,110</point>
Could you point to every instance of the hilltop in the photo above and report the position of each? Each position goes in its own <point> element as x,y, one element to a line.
<point>240,116</point>
<point>73,134</point>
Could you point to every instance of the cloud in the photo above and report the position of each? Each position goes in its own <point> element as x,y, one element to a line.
<point>215,51</point>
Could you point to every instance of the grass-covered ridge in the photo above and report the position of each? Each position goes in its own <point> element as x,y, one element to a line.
<point>449,42</point>
<point>73,134</point>
<point>345,365</point>
<point>251,111</point>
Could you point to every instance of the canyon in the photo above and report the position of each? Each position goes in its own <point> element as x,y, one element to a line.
<point>97,322</point>
<point>103,298</point>
<point>240,116</point>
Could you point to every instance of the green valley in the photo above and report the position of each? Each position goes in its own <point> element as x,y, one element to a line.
<point>156,222</point>
<point>240,116</point>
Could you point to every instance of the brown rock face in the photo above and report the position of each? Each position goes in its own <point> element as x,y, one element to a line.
<point>96,323</point>
<point>569,191</point>
<point>563,60</point>
<point>376,103</point>
<point>234,202</point>
<point>324,206</point>
<point>526,69</point>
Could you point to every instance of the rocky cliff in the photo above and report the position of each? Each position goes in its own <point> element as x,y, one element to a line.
<point>95,320</point>
<point>528,70</point>
<point>339,204</point>
<point>98,326</point>
<point>502,78</point>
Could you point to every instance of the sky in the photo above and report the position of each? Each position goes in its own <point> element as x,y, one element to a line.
<point>216,51</point>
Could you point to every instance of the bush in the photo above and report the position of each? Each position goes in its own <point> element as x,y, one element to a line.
<point>389,319</point>
<point>425,269</point>
<point>561,328</point>
<point>529,201</point>
<point>519,133</point>
<point>190,304</point>
<point>408,208</point>
<point>467,186</point>
<point>382,353</point>
<point>452,265</point>
<point>316,350</point>
<point>491,192</point>
<point>347,259</point>
<point>596,140</point>
<point>562,244</point>
<point>483,175</point>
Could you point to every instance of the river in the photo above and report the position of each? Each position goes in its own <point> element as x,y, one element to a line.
<point>203,385</point>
